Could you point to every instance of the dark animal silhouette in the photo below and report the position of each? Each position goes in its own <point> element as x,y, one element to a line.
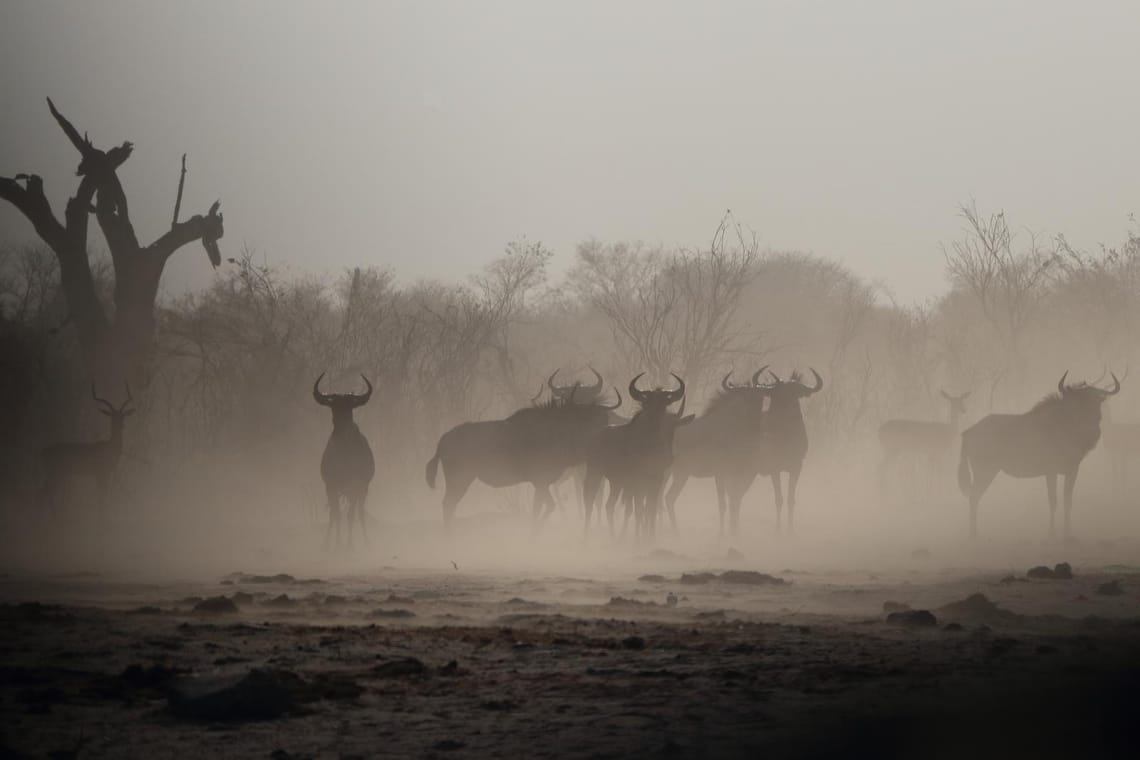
<point>347,465</point>
<point>65,463</point>
<point>1050,439</point>
<point>920,438</point>
<point>635,457</point>
<point>584,394</point>
<point>726,444</point>
<point>785,438</point>
<point>534,445</point>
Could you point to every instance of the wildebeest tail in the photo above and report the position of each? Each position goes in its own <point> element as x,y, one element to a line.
<point>432,466</point>
<point>964,477</point>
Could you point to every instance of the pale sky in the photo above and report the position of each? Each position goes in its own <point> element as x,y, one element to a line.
<point>426,135</point>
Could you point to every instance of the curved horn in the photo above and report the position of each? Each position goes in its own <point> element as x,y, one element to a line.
<point>615,406</point>
<point>102,401</point>
<point>681,411</point>
<point>1115,387</point>
<point>362,399</point>
<point>775,377</point>
<point>596,388</point>
<point>319,397</point>
<point>818,381</point>
<point>725,384</point>
<point>634,393</point>
<point>756,375</point>
<point>1061,382</point>
<point>534,399</point>
<point>550,382</point>
<point>679,393</point>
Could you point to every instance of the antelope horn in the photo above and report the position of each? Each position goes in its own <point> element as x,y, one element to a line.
<point>634,393</point>
<point>725,384</point>
<point>596,388</point>
<point>818,381</point>
<point>679,393</point>
<point>535,397</point>
<point>1115,387</point>
<point>319,397</point>
<point>363,398</point>
<point>615,406</point>
<point>1061,382</point>
<point>757,373</point>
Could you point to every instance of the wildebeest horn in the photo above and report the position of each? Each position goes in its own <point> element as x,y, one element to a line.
<point>818,382</point>
<point>1061,382</point>
<point>319,397</point>
<point>534,399</point>
<point>634,393</point>
<point>756,375</point>
<point>679,393</point>
<point>1115,386</point>
<point>596,388</point>
<point>681,411</point>
<point>725,384</point>
<point>362,399</point>
<point>550,381</point>
<point>775,377</point>
<point>615,406</point>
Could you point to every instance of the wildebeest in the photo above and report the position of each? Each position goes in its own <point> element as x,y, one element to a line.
<point>785,438</point>
<point>347,465</point>
<point>64,463</point>
<point>920,438</point>
<point>725,443</point>
<point>635,457</point>
<point>1050,439</point>
<point>534,445</point>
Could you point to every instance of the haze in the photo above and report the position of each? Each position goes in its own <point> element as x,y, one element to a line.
<point>424,136</point>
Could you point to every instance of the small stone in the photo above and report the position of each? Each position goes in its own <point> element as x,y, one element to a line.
<point>652,578</point>
<point>242,598</point>
<point>259,694</point>
<point>1041,573</point>
<point>633,642</point>
<point>216,605</point>
<point>407,666</point>
<point>1063,571</point>
<point>1112,588</point>
<point>913,618</point>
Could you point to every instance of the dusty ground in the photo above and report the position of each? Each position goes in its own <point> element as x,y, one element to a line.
<point>588,665</point>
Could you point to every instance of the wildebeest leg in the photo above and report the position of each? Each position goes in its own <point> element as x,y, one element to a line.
<point>1051,487</point>
<point>736,488</point>
<point>777,490</point>
<point>721,502</point>
<point>457,485</point>
<point>679,481</point>
<point>332,499</point>
<point>1070,482</point>
<point>793,481</point>
<point>611,503</point>
<point>628,501</point>
<point>982,480</point>
<point>361,500</point>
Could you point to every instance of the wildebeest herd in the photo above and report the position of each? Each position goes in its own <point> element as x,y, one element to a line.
<point>645,460</point>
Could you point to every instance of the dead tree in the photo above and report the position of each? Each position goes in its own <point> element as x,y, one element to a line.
<point>112,346</point>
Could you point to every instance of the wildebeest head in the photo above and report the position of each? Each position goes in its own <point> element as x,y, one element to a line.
<point>341,404</point>
<point>747,398</point>
<point>957,403</point>
<point>658,399</point>
<point>1085,399</point>
<point>790,391</point>
<point>583,394</point>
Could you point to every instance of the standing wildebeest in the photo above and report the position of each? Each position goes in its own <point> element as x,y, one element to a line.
<point>724,443</point>
<point>635,457</point>
<point>1049,440</point>
<point>347,465</point>
<point>920,438</point>
<point>534,445</point>
<point>785,438</point>
<point>66,462</point>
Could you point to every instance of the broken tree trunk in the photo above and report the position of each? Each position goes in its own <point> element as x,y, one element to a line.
<point>115,343</point>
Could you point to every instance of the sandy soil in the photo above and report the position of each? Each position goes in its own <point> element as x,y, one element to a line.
<point>458,662</point>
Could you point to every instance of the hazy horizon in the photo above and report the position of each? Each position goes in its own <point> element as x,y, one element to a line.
<point>425,136</point>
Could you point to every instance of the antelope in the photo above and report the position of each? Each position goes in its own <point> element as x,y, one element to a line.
<point>1050,439</point>
<point>534,445</point>
<point>920,437</point>
<point>347,466</point>
<point>635,457</point>
<point>726,444</point>
<point>785,440</point>
<point>1122,443</point>
<point>97,460</point>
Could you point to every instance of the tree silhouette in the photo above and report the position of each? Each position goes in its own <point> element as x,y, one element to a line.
<point>114,342</point>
